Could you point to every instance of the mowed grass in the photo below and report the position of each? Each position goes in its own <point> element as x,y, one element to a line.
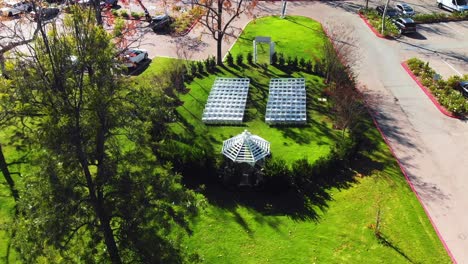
<point>7,202</point>
<point>340,231</point>
<point>311,141</point>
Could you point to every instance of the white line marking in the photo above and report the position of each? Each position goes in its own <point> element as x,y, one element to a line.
<point>452,68</point>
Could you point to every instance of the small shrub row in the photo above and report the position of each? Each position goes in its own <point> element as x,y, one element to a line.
<point>440,17</point>
<point>280,60</point>
<point>444,90</point>
<point>306,177</point>
<point>198,68</point>
<point>124,13</point>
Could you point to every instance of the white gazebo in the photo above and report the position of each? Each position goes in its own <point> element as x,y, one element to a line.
<point>246,148</point>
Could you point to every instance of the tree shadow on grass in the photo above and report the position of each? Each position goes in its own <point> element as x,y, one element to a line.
<point>297,205</point>
<point>386,242</point>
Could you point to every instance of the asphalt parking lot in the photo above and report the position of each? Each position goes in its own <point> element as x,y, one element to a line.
<point>444,45</point>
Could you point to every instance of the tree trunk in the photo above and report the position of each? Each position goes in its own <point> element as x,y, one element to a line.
<point>99,210</point>
<point>97,9</point>
<point>219,35</point>
<point>219,56</point>
<point>7,175</point>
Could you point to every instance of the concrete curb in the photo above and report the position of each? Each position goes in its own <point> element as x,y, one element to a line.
<point>428,93</point>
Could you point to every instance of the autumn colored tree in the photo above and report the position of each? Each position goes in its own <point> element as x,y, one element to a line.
<point>218,18</point>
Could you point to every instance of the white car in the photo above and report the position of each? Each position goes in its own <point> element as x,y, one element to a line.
<point>132,57</point>
<point>453,5</point>
<point>15,8</point>
<point>405,9</point>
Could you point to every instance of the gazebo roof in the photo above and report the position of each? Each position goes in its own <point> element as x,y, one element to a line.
<point>246,147</point>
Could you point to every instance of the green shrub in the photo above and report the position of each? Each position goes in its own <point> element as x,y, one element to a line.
<point>250,58</point>
<point>281,60</point>
<point>229,59</point>
<point>124,13</point>
<point>200,67</point>
<point>290,62</point>
<point>240,59</point>
<point>274,58</point>
<point>302,63</point>
<point>308,66</point>
<point>136,15</point>
<point>454,102</point>
<point>115,12</point>
<point>193,68</point>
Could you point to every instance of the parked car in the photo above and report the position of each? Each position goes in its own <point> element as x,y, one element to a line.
<point>109,3</point>
<point>161,23</point>
<point>405,9</point>
<point>132,57</point>
<point>453,5</point>
<point>405,25</point>
<point>391,12</point>
<point>45,13</point>
<point>15,8</point>
<point>463,88</point>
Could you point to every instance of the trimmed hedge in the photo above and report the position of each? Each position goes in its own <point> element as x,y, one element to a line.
<point>440,17</point>
<point>444,90</point>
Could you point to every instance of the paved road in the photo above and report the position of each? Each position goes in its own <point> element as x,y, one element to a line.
<point>432,147</point>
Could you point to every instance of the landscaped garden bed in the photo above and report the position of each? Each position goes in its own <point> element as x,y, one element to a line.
<point>374,20</point>
<point>440,17</point>
<point>338,222</point>
<point>442,92</point>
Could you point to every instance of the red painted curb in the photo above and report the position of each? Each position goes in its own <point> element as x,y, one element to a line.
<point>428,93</point>
<point>408,180</point>
<point>191,27</point>
<point>371,27</point>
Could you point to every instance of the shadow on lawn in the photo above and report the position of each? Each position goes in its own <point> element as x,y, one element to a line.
<point>297,205</point>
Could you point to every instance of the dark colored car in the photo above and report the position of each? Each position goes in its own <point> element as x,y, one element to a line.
<point>45,13</point>
<point>109,3</point>
<point>405,25</point>
<point>391,12</point>
<point>161,23</point>
<point>463,88</point>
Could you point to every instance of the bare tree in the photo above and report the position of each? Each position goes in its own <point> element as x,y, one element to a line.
<point>218,17</point>
<point>339,56</point>
<point>340,52</point>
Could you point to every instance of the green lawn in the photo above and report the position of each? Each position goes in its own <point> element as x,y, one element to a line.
<point>230,230</point>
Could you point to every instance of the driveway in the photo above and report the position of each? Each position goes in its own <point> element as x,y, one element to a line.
<point>444,45</point>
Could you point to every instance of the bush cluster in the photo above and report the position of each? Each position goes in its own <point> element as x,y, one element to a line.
<point>445,91</point>
<point>185,20</point>
<point>197,68</point>
<point>440,17</point>
<point>306,177</point>
<point>292,63</point>
<point>376,22</point>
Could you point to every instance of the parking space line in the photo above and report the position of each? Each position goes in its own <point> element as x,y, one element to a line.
<point>453,68</point>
